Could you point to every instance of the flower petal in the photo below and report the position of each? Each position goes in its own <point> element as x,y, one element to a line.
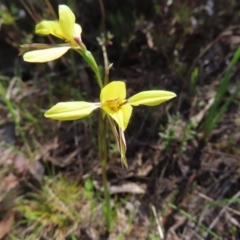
<point>49,27</point>
<point>122,148</point>
<point>77,31</point>
<point>45,55</point>
<point>113,90</point>
<point>122,116</point>
<point>66,21</point>
<point>71,110</point>
<point>150,98</point>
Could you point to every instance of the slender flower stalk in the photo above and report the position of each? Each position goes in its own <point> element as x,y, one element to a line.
<point>103,155</point>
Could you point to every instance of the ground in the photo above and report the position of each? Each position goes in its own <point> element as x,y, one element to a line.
<point>183,175</point>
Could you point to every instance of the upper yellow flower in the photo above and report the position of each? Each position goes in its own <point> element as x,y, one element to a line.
<point>113,101</point>
<point>65,28</point>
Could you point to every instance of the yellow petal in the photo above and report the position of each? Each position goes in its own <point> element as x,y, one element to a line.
<point>66,21</point>
<point>113,90</point>
<point>49,27</point>
<point>45,55</point>
<point>150,98</point>
<point>70,110</point>
<point>122,116</point>
<point>77,30</point>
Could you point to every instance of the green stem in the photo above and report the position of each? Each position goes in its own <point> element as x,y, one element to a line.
<point>102,143</point>
<point>102,136</point>
<point>88,57</point>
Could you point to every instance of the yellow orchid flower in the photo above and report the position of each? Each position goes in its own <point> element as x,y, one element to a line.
<point>112,101</point>
<point>65,28</point>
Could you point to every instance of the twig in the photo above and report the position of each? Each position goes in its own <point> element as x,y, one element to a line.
<point>159,226</point>
<point>215,221</point>
<point>103,45</point>
<point>211,200</point>
<point>49,5</point>
<point>28,9</point>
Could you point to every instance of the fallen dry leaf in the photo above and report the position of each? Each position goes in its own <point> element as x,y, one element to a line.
<point>129,187</point>
<point>6,224</point>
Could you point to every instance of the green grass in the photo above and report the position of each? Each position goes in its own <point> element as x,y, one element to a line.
<point>217,110</point>
<point>194,220</point>
<point>57,209</point>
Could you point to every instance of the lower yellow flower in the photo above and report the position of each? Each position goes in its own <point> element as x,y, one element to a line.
<point>112,101</point>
